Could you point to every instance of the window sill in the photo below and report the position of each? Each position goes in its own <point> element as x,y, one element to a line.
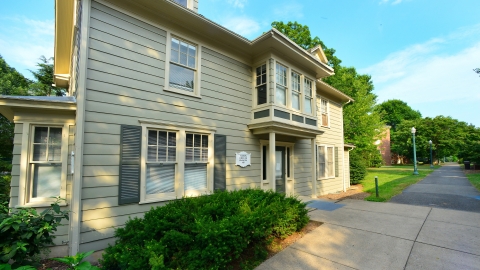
<point>326,178</point>
<point>157,200</point>
<point>182,92</point>
<point>39,204</point>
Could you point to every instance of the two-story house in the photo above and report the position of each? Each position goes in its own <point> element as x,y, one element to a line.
<point>163,103</point>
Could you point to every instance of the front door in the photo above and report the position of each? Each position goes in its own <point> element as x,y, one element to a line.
<point>280,183</point>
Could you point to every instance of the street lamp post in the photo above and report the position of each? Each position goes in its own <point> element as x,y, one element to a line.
<point>431,160</point>
<point>415,172</point>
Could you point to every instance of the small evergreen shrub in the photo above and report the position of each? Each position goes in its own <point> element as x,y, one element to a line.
<point>358,169</point>
<point>206,232</point>
<point>24,233</point>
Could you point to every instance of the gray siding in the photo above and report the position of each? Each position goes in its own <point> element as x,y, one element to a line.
<point>303,168</point>
<point>125,80</point>
<point>17,149</point>
<point>332,136</point>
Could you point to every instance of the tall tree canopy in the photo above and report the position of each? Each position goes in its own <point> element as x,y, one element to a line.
<point>44,79</point>
<point>361,123</point>
<point>394,111</point>
<point>11,81</point>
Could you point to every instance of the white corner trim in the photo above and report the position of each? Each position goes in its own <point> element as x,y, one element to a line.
<point>76,208</point>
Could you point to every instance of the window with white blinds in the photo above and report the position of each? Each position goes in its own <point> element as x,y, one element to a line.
<point>326,162</point>
<point>196,157</point>
<point>161,158</point>
<point>183,58</point>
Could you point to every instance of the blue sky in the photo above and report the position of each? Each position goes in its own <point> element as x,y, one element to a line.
<point>419,51</point>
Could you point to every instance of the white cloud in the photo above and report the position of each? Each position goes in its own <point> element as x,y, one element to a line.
<point>434,77</point>
<point>288,10</point>
<point>237,3</point>
<point>242,25</point>
<point>23,41</point>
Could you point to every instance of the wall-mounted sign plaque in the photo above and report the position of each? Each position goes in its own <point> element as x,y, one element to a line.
<point>242,159</point>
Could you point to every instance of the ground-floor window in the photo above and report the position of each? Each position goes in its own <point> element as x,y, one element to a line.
<point>326,161</point>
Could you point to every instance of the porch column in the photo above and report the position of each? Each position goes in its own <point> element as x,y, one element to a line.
<point>271,160</point>
<point>314,168</point>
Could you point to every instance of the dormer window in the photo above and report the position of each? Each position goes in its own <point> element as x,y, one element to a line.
<point>181,2</point>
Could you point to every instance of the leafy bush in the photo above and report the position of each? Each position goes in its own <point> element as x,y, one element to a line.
<point>76,262</point>
<point>206,232</point>
<point>24,233</point>
<point>358,169</point>
<point>5,188</point>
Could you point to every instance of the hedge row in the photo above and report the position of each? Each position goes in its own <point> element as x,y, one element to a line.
<point>206,232</point>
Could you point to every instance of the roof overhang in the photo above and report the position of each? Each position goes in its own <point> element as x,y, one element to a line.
<point>332,91</point>
<point>284,129</point>
<point>64,36</point>
<point>348,146</point>
<point>10,104</point>
<point>227,39</point>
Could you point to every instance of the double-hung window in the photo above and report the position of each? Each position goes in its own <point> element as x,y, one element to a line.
<point>281,85</point>
<point>296,91</point>
<point>308,89</point>
<point>324,112</point>
<point>196,159</point>
<point>183,65</point>
<point>326,162</point>
<point>160,163</point>
<point>181,2</point>
<point>46,163</point>
<point>261,84</point>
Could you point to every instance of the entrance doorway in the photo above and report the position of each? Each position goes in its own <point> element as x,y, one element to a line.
<point>280,179</point>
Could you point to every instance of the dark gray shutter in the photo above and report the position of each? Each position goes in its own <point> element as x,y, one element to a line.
<point>220,162</point>
<point>336,162</point>
<point>130,151</point>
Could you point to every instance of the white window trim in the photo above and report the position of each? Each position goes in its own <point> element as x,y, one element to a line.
<point>321,114</point>
<point>312,94</point>
<point>287,87</point>
<point>181,131</point>
<point>197,78</point>
<point>326,146</point>
<point>25,177</point>
<point>300,92</point>
<point>255,95</point>
<point>189,4</point>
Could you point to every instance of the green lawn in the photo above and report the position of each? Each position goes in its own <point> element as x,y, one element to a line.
<point>474,179</point>
<point>392,180</point>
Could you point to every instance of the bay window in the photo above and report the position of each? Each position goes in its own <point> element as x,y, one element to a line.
<point>308,89</point>
<point>295,91</point>
<point>261,84</point>
<point>281,85</point>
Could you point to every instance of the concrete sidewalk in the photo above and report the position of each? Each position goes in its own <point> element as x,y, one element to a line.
<point>368,235</point>
<point>446,187</point>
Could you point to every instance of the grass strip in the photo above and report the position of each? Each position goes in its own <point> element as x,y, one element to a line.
<point>474,178</point>
<point>392,180</point>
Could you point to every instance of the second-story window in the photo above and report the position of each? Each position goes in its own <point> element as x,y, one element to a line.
<point>324,111</point>
<point>182,65</point>
<point>181,2</point>
<point>261,84</point>
<point>295,91</point>
<point>281,87</point>
<point>308,87</point>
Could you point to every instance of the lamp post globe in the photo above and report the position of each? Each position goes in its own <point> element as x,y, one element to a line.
<point>415,171</point>
<point>431,160</point>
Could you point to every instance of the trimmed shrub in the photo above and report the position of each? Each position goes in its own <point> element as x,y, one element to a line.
<point>206,232</point>
<point>358,169</point>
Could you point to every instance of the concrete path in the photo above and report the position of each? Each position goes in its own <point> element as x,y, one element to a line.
<point>368,235</point>
<point>446,187</point>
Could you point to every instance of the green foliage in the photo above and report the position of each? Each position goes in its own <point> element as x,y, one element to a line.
<point>24,233</point>
<point>206,232</point>
<point>449,137</point>
<point>358,168</point>
<point>44,76</point>
<point>5,188</point>
<point>394,111</point>
<point>76,262</point>
<point>11,81</point>
<point>7,266</point>
<point>6,144</point>
<point>300,34</point>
